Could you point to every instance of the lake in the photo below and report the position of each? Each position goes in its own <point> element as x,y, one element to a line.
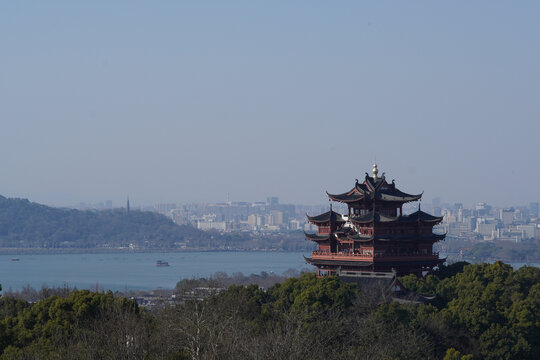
<point>136,271</point>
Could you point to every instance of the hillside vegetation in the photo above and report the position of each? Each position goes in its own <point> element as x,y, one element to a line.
<point>487,311</point>
<point>27,224</point>
<point>24,224</point>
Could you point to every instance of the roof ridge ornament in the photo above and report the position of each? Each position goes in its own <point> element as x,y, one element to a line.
<point>375,171</point>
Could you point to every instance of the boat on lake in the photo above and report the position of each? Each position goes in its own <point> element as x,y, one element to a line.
<point>162,263</point>
<point>15,259</point>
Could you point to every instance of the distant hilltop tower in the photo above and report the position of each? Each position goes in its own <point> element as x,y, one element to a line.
<point>127,205</point>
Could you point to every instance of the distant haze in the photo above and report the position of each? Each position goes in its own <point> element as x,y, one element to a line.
<point>177,101</point>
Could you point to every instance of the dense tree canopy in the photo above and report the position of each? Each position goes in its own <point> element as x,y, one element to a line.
<point>486,311</point>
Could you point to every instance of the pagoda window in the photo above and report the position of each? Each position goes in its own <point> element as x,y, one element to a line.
<point>324,229</point>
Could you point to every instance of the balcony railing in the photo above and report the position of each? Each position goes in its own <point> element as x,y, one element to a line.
<point>341,255</point>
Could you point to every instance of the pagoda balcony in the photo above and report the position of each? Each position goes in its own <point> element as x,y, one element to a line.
<point>377,256</point>
<point>339,255</point>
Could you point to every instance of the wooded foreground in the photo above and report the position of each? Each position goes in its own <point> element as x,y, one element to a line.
<point>487,311</point>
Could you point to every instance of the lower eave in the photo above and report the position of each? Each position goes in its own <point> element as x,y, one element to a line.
<point>336,262</point>
<point>370,261</point>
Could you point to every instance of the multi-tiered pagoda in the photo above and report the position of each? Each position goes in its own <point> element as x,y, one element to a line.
<point>374,237</point>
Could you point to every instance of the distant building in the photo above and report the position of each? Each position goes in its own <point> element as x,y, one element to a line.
<point>533,209</point>
<point>486,229</point>
<point>294,225</point>
<point>506,216</point>
<point>527,231</point>
<point>212,225</point>
<point>482,209</point>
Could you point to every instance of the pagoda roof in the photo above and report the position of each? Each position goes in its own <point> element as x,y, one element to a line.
<point>396,195</point>
<point>345,230</point>
<point>329,216</point>
<point>377,217</point>
<point>373,216</point>
<point>382,261</point>
<point>346,197</point>
<point>416,237</point>
<point>374,189</point>
<point>397,237</point>
<point>337,262</point>
<point>421,216</point>
<point>361,238</point>
<point>317,237</point>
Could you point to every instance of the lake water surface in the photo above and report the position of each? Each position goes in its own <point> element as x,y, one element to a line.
<point>136,271</point>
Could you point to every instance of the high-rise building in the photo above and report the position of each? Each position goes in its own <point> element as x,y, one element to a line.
<point>506,216</point>
<point>533,209</point>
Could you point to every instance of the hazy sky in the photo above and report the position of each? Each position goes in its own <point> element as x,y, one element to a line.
<point>186,101</point>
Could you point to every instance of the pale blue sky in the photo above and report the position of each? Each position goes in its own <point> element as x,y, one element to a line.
<point>177,101</point>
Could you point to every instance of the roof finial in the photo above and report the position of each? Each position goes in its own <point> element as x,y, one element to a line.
<point>375,171</point>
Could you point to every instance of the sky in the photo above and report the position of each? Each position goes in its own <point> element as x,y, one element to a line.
<point>204,101</point>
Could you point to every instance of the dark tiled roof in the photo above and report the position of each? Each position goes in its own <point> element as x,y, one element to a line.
<point>396,195</point>
<point>374,189</point>
<point>345,230</point>
<point>345,197</point>
<point>317,237</point>
<point>361,238</point>
<point>420,216</point>
<point>416,216</point>
<point>368,281</point>
<point>406,261</point>
<point>337,262</point>
<point>371,216</point>
<point>327,217</point>
<point>396,237</point>
<point>430,237</point>
<point>399,292</point>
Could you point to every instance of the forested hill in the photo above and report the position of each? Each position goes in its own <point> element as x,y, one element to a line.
<point>24,224</point>
<point>27,224</point>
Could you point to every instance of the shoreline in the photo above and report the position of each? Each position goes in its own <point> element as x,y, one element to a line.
<point>59,251</point>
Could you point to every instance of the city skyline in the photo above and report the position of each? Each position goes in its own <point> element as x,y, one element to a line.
<point>201,102</point>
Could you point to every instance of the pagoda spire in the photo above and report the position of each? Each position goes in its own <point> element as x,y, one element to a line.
<point>375,171</point>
